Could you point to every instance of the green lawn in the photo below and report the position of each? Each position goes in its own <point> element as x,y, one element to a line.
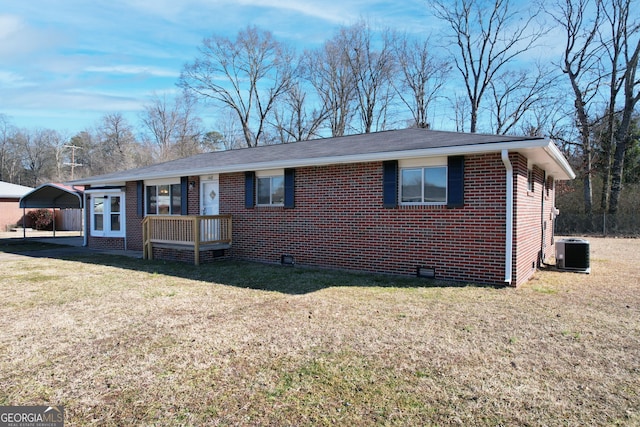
<point>121,341</point>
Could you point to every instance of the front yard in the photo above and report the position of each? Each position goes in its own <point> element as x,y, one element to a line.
<point>120,341</point>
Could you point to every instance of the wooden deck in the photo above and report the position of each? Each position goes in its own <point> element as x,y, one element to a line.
<point>186,232</point>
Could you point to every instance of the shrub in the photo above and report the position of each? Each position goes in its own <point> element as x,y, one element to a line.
<point>41,219</point>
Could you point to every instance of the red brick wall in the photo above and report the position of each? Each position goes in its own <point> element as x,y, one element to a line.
<point>134,222</point>
<point>115,243</point>
<point>339,221</point>
<point>526,213</point>
<point>194,196</point>
<point>533,215</point>
<point>188,255</point>
<point>549,218</point>
<point>10,213</point>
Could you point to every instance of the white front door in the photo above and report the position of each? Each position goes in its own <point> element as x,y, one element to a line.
<point>210,205</point>
<point>210,196</point>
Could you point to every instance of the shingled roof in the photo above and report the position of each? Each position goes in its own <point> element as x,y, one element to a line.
<point>387,145</point>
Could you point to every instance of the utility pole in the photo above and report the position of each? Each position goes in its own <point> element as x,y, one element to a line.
<point>73,163</point>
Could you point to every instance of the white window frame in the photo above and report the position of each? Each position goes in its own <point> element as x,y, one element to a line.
<point>106,231</point>
<point>157,184</point>
<point>269,174</point>
<point>422,164</point>
<point>531,181</point>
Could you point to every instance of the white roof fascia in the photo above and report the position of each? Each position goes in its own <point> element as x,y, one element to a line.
<point>555,153</point>
<point>95,185</point>
<point>104,190</point>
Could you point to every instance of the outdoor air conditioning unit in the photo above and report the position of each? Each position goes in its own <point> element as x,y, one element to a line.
<point>573,255</point>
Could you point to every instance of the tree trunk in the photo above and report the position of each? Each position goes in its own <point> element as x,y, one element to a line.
<point>607,147</point>
<point>248,137</point>
<point>474,119</point>
<point>616,181</point>
<point>588,192</point>
<point>606,181</point>
<point>587,156</point>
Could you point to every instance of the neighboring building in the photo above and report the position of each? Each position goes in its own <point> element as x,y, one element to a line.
<point>10,211</point>
<point>68,201</point>
<point>456,206</point>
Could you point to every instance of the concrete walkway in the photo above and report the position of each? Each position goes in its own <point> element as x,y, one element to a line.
<point>70,244</point>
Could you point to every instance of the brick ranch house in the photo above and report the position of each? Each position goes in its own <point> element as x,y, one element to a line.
<point>455,206</point>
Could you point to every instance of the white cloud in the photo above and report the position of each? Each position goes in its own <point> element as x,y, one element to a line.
<point>332,11</point>
<point>336,13</point>
<point>17,38</point>
<point>12,80</point>
<point>134,70</point>
<point>9,25</point>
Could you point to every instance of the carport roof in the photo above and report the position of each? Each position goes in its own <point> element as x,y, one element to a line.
<point>53,196</point>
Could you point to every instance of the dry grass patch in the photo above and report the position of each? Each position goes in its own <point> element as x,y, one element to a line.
<point>123,342</point>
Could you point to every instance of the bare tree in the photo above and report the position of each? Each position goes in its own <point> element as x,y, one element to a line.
<point>623,48</point>
<point>552,118</point>
<point>227,125</point>
<point>173,126</point>
<point>488,35</point>
<point>38,154</point>
<point>247,75</point>
<point>160,119</point>
<point>327,70</point>
<point>581,64</point>
<point>514,94</point>
<point>5,146</point>
<point>188,133</point>
<point>461,111</point>
<point>294,120</point>
<point>614,52</point>
<point>372,70</point>
<point>421,78</point>
<point>117,146</point>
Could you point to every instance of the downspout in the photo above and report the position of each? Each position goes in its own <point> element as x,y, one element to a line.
<point>85,223</point>
<point>508,257</point>
<point>543,222</point>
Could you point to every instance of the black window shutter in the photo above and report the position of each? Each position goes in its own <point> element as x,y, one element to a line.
<point>455,184</point>
<point>390,183</point>
<point>184,195</point>
<point>140,198</point>
<point>289,188</point>
<point>249,188</point>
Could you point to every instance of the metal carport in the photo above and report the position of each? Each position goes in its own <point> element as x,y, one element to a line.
<point>53,196</point>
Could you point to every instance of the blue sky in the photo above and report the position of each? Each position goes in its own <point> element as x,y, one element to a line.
<point>66,63</point>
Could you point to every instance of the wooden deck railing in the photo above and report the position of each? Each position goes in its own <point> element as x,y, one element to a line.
<point>186,230</point>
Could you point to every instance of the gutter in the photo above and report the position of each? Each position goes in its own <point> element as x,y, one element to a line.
<point>508,256</point>
<point>554,152</point>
